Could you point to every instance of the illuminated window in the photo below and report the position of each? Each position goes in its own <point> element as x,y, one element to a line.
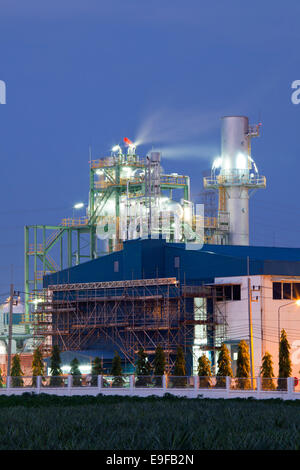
<point>287,290</point>
<point>296,290</point>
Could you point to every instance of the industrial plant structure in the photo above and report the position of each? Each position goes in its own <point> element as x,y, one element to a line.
<point>146,267</point>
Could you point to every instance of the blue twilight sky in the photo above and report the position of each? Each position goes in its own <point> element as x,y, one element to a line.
<point>87,73</point>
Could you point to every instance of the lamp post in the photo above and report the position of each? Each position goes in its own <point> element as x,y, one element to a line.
<point>296,302</point>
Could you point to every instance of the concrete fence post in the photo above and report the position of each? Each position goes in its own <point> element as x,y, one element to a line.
<point>38,384</point>
<point>8,383</point>
<point>131,384</point>
<point>70,382</point>
<point>164,382</point>
<point>196,383</point>
<point>99,383</point>
<point>228,380</point>
<point>290,387</point>
<point>258,386</point>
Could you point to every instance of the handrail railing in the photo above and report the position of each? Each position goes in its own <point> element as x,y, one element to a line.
<point>74,221</point>
<point>234,180</point>
<point>190,386</point>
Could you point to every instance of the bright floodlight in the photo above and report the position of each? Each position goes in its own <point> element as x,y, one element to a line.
<point>116,148</point>
<point>241,161</point>
<point>217,163</point>
<point>79,205</point>
<point>298,302</point>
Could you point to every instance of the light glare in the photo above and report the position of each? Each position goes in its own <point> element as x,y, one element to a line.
<point>79,205</point>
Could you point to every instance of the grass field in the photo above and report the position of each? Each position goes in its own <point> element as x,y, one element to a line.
<point>169,423</point>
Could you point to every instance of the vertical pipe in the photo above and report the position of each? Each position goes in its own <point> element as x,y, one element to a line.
<point>35,259</point>
<point>61,253</point>
<point>250,330</point>
<point>92,242</point>
<point>187,193</point>
<point>69,247</point>
<point>26,271</point>
<point>92,210</point>
<point>117,202</point>
<point>92,192</point>
<point>44,248</point>
<point>11,299</point>
<point>78,246</point>
<point>127,208</point>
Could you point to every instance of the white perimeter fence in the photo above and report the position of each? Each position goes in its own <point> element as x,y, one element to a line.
<point>143,386</point>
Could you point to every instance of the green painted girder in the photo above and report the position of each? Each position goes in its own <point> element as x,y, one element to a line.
<point>55,240</point>
<point>141,185</point>
<point>173,186</point>
<point>47,263</point>
<point>47,227</point>
<point>109,176</point>
<point>100,207</point>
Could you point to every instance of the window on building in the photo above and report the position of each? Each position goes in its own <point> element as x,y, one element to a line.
<point>296,290</point>
<point>219,294</point>
<point>236,292</point>
<point>116,266</point>
<point>228,292</point>
<point>224,293</point>
<point>276,290</point>
<point>287,290</point>
<point>176,262</point>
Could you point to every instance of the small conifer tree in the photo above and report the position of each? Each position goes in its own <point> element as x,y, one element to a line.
<point>37,365</point>
<point>159,363</point>
<point>285,366</point>
<point>243,365</point>
<point>16,372</point>
<point>55,369</point>
<point>179,369</point>
<point>266,372</point>
<point>204,371</point>
<point>224,366</point>
<point>116,371</point>
<point>97,369</point>
<point>143,369</point>
<point>75,372</point>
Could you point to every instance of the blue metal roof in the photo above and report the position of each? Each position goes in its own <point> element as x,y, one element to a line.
<point>156,258</point>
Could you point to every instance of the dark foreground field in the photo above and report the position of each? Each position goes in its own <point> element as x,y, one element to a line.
<point>118,423</point>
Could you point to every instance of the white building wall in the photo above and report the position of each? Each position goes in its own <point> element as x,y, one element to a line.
<point>289,319</point>
<point>236,314</point>
<point>264,319</point>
